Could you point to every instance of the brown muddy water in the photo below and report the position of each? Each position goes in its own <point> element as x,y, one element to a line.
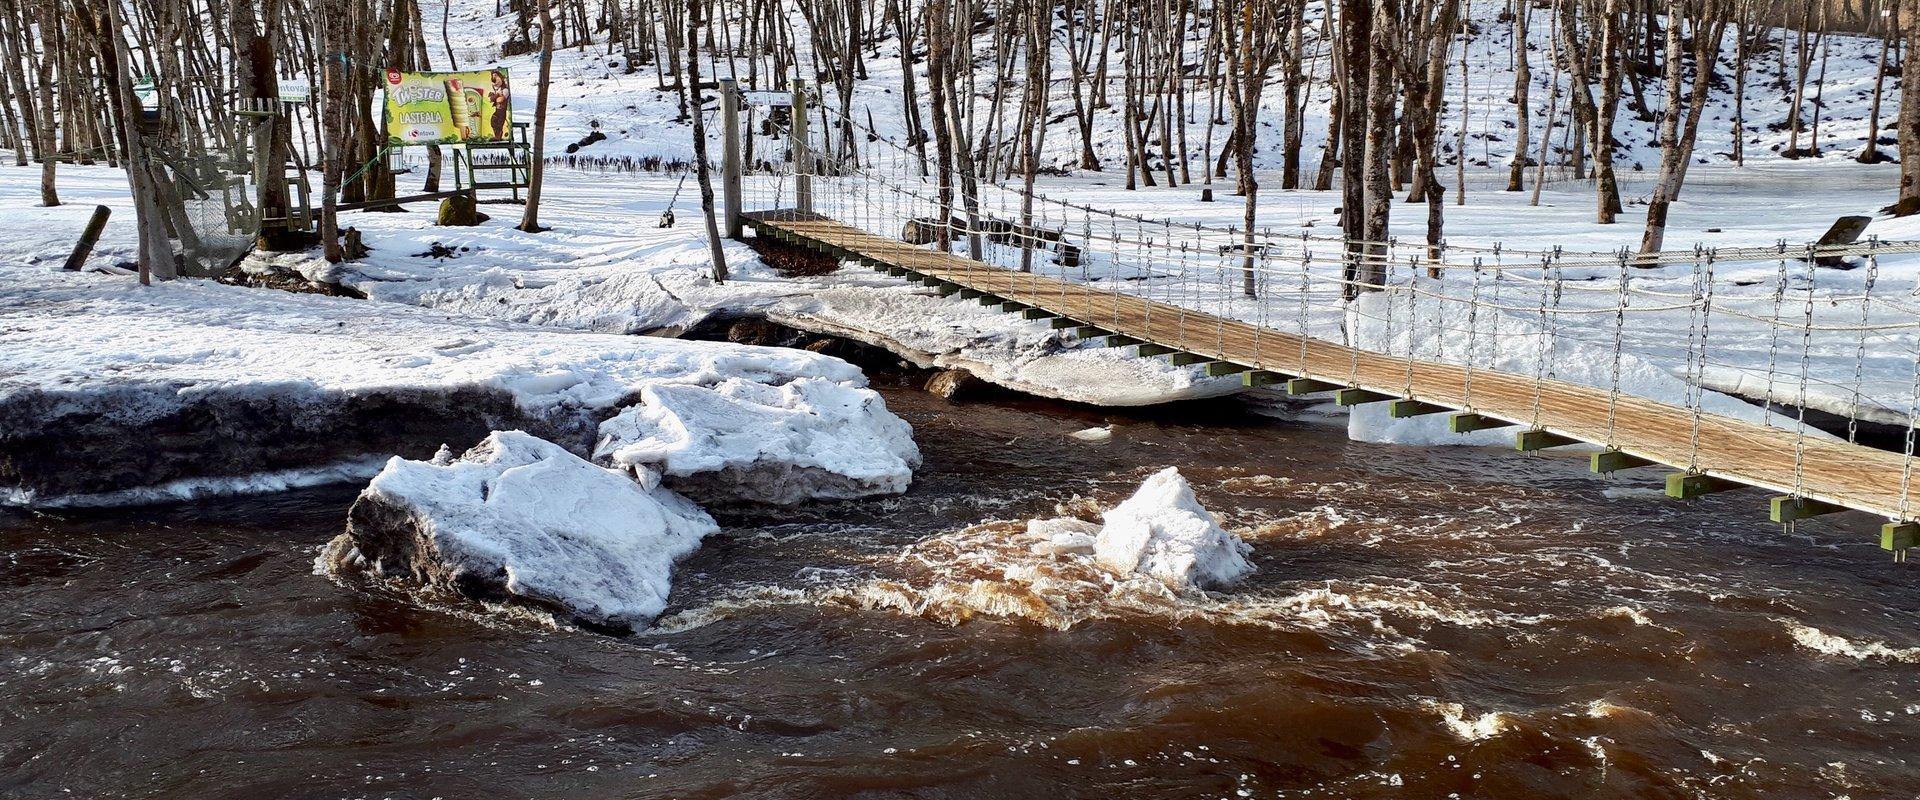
<point>1424,623</point>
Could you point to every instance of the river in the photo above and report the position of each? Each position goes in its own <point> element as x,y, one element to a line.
<point>1423,623</point>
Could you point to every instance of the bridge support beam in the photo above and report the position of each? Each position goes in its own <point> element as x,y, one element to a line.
<point>1219,368</point>
<point>1150,350</point>
<point>1614,461</point>
<point>1188,359</point>
<point>1689,485</point>
<point>1299,386</point>
<point>1787,508</point>
<point>1529,441</point>
<point>1899,537</point>
<point>1406,407</point>
<point>1261,377</point>
<point>1354,397</point>
<point>1468,422</point>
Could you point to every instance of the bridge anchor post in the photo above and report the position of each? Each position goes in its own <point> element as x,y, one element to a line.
<point>802,152</point>
<point>731,168</point>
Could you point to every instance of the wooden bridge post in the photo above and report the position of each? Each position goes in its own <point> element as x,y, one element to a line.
<point>802,153</point>
<point>730,158</point>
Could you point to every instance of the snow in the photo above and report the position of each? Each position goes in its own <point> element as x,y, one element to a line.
<point>522,516</point>
<point>805,439</point>
<point>192,387</point>
<point>1163,532</point>
<point>597,273</point>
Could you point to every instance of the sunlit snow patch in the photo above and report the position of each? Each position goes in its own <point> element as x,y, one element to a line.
<point>805,439</point>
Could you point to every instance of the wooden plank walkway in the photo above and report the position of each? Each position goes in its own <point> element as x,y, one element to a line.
<point>1728,453</point>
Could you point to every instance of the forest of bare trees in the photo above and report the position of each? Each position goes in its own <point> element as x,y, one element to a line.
<point>1194,87</point>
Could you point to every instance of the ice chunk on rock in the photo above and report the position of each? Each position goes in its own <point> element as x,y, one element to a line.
<point>808,438</point>
<point>1163,532</point>
<point>518,519</point>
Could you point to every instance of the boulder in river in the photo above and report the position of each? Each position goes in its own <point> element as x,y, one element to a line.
<point>520,520</point>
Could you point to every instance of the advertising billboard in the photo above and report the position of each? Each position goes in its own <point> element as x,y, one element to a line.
<point>448,107</point>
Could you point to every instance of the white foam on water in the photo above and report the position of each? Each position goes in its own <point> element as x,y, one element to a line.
<point>1825,643</point>
<point>1454,717</point>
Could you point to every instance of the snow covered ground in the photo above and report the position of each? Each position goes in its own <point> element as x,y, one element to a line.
<point>113,392</point>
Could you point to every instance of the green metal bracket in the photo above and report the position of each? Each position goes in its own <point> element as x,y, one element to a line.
<point>949,289</point>
<point>1062,322</point>
<point>1353,397</point>
<point>990,300</point>
<point>1117,340</point>
<point>1091,332</point>
<point>1220,368</point>
<point>1310,386</point>
<point>969,294</point>
<point>1188,359</point>
<point>1150,350</point>
<point>1689,485</point>
<point>1787,508</point>
<point>1038,313</point>
<point>1261,377</point>
<point>1013,305</point>
<point>929,280</point>
<point>1404,407</point>
<point>1468,422</point>
<point>1614,461</point>
<point>898,272</point>
<point>1529,441</point>
<point>1899,536</point>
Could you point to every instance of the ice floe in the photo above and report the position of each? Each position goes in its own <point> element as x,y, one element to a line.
<point>521,520</point>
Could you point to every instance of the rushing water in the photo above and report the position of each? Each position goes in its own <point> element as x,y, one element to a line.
<point>1423,623</point>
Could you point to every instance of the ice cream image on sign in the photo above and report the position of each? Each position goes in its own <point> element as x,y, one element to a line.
<point>462,110</point>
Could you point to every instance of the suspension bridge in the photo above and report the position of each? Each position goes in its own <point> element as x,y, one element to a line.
<point>1483,352</point>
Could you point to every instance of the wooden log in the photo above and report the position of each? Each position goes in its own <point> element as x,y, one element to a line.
<point>89,236</point>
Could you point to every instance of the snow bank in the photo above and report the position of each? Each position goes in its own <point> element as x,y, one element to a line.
<point>520,520</point>
<point>1163,532</point>
<point>614,279</point>
<point>808,438</point>
<point>107,387</point>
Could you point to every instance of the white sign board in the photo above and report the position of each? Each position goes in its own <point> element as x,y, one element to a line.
<point>761,97</point>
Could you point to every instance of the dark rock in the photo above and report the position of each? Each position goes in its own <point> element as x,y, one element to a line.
<point>953,384</point>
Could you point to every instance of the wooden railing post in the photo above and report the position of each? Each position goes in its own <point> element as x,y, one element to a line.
<point>730,158</point>
<point>802,153</point>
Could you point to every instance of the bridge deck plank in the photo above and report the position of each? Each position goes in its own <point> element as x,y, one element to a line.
<point>1853,476</point>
